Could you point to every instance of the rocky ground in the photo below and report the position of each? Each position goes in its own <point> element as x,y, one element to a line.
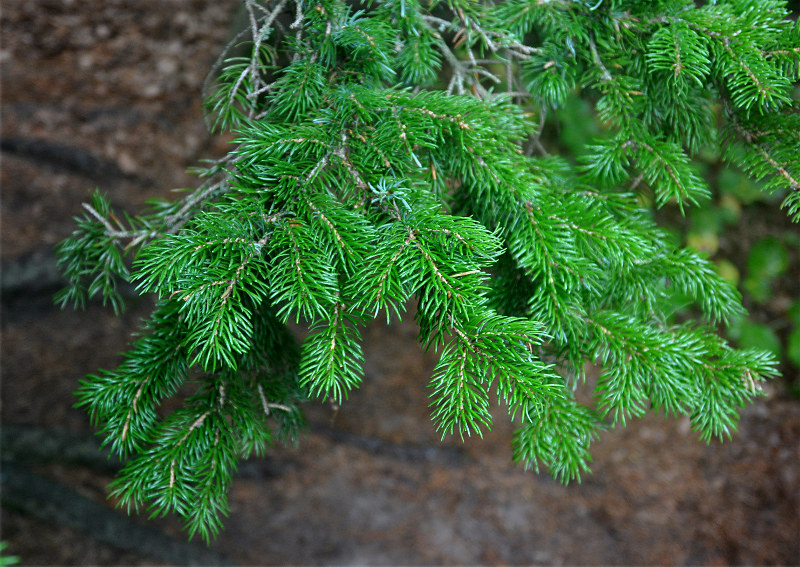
<point>99,93</point>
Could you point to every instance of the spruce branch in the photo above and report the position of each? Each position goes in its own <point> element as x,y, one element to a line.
<point>404,154</point>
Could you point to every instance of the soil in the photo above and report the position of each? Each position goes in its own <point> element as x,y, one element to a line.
<point>107,94</point>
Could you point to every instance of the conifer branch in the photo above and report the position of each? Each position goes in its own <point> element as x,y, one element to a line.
<point>749,137</point>
<point>346,194</point>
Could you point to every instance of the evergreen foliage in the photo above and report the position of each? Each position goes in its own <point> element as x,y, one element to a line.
<point>397,151</point>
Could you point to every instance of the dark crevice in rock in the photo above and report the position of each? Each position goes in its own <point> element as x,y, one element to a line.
<point>50,501</point>
<point>70,158</point>
<point>407,452</point>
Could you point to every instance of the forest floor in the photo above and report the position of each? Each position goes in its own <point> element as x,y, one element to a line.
<point>107,94</point>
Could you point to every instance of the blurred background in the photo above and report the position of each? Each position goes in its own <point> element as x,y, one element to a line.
<point>107,94</point>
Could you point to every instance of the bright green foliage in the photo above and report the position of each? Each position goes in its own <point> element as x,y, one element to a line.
<point>7,559</point>
<point>399,153</point>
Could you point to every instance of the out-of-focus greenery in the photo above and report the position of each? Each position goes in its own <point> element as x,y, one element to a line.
<point>6,559</point>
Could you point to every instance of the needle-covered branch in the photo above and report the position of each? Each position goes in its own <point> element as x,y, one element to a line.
<point>382,161</point>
